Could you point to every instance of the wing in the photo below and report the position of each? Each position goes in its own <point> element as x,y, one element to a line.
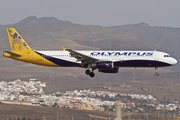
<point>81,57</point>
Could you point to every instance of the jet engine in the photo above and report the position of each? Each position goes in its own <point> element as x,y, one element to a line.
<point>106,67</point>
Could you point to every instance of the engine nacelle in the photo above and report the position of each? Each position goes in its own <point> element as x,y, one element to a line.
<point>106,67</point>
<point>113,70</point>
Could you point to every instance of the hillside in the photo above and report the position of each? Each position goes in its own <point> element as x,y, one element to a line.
<point>46,113</point>
<point>49,33</point>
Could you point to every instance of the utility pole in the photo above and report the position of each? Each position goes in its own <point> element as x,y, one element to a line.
<point>72,116</point>
<point>129,115</point>
<point>57,116</point>
<point>118,110</point>
<point>44,117</point>
<point>163,116</point>
<point>170,115</point>
<point>144,114</point>
<point>109,116</point>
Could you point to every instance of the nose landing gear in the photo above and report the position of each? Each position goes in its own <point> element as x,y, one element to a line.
<point>156,73</point>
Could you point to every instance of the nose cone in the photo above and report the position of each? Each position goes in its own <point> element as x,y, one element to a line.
<point>173,61</point>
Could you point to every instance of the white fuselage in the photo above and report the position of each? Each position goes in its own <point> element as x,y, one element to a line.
<point>161,58</point>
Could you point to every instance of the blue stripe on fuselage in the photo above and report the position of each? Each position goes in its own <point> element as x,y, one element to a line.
<point>60,62</point>
<point>140,63</point>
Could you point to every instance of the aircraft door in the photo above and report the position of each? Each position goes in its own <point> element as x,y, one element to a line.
<point>156,56</point>
<point>32,56</point>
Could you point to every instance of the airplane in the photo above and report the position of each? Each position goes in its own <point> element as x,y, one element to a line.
<point>104,61</point>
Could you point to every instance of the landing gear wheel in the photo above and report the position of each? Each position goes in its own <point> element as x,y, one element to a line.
<point>156,73</point>
<point>91,74</point>
<point>87,72</point>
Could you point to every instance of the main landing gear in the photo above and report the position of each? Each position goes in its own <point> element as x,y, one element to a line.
<point>88,72</point>
<point>156,73</point>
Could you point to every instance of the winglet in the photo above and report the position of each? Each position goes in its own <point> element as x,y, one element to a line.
<point>63,48</point>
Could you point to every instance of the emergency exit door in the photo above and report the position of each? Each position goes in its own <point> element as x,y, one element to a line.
<point>32,56</point>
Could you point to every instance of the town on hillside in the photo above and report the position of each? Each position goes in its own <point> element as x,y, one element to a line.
<point>31,93</point>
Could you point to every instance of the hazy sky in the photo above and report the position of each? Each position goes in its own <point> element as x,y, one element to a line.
<point>95,12</point>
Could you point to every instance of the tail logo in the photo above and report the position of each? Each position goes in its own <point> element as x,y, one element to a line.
<point>17,43</point>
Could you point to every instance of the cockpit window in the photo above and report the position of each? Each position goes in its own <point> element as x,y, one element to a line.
<point>166,56</point>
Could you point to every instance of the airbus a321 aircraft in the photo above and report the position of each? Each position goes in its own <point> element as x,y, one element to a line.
<point>104,61</point>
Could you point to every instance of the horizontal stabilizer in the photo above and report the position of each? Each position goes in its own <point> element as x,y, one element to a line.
<point>13,54</point>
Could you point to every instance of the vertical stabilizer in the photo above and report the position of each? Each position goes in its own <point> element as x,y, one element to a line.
<point>17,43</point>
